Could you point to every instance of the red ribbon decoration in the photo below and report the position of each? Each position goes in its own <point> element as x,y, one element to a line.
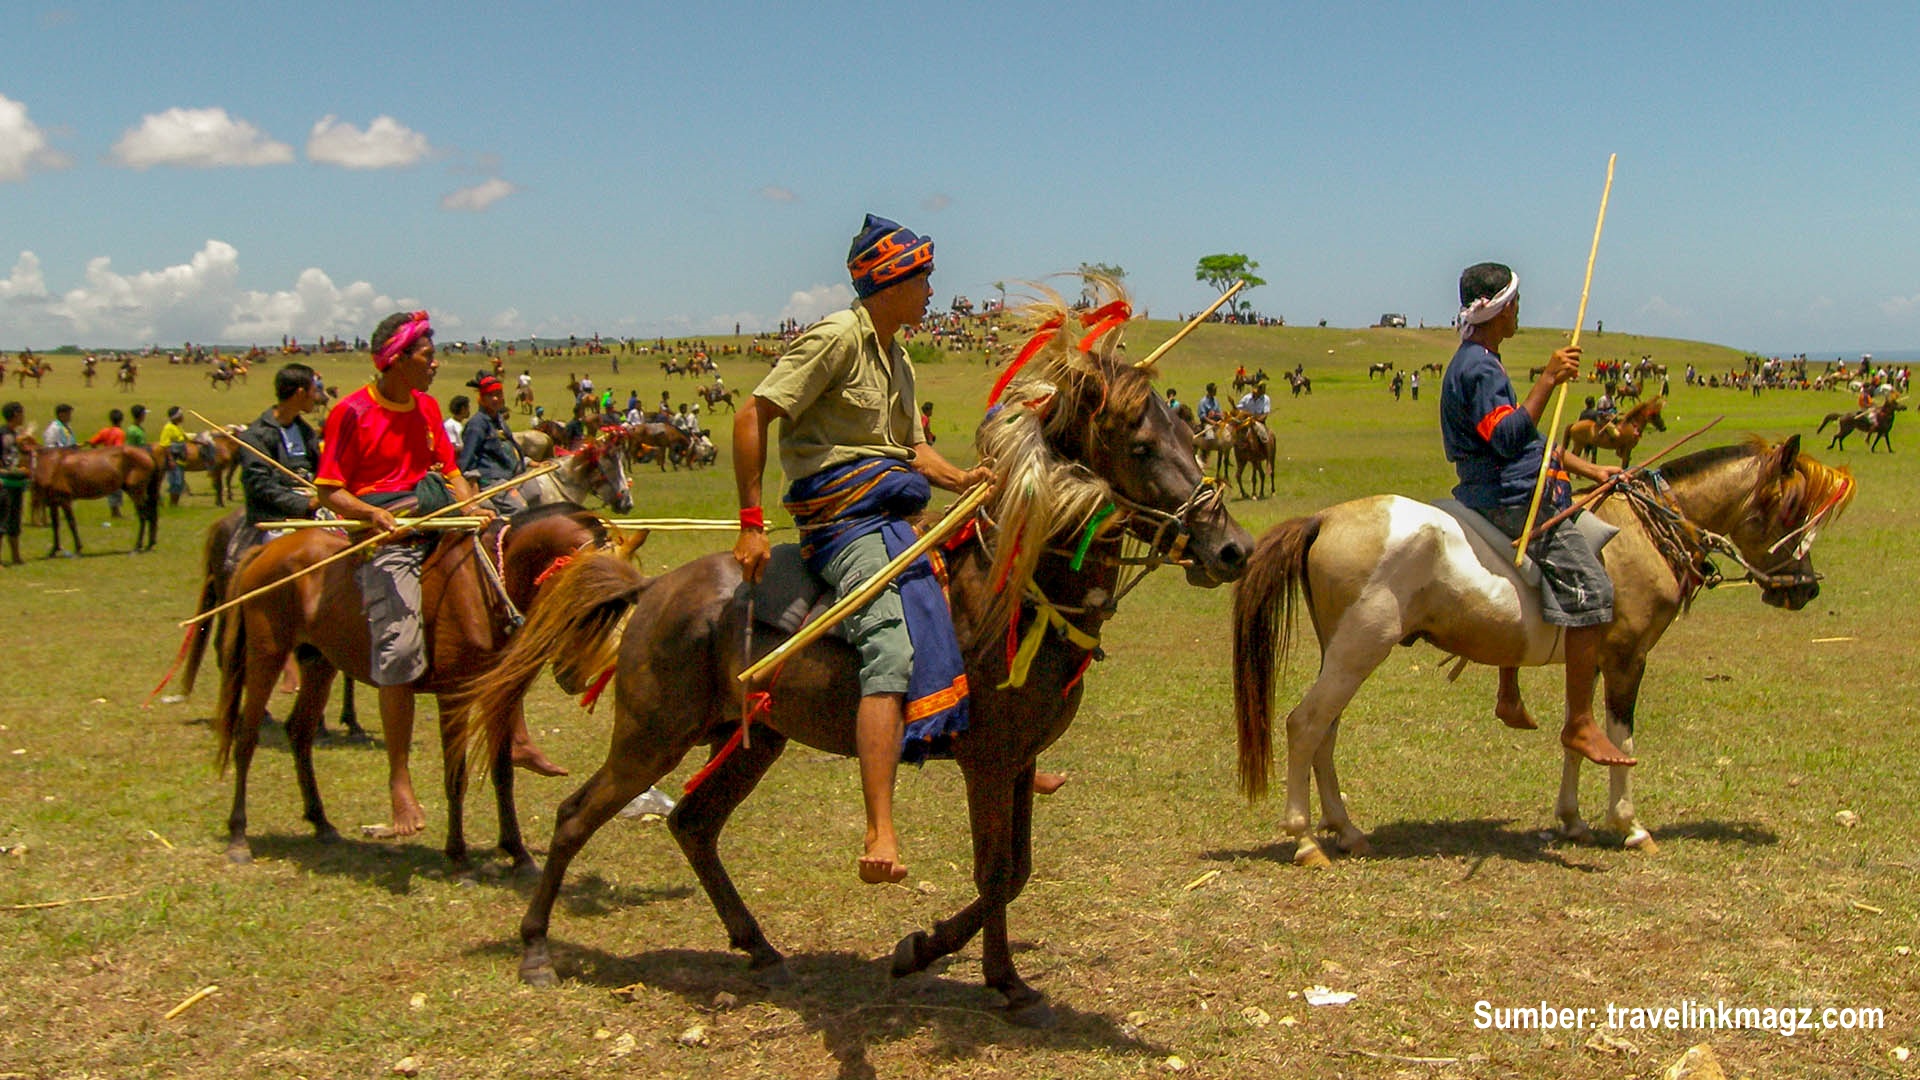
<point>1100,322</point>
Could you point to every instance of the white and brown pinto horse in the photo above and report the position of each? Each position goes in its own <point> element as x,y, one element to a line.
<point>1385,570</point>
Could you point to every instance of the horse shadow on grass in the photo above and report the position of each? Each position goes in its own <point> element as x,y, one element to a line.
<point>400,867</point>
<point>851,1003</point>
<point>1483,838</point>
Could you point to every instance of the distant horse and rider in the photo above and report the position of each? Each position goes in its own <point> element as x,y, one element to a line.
<point>1876,423</point>
<point>1620,435</point>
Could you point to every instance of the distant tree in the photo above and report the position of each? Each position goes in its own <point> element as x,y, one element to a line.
<point>1221,271</point>
<point>1089,271</point>
<point>1002,286</point>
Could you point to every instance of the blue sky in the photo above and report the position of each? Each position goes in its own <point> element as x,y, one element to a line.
<point>170,171</point>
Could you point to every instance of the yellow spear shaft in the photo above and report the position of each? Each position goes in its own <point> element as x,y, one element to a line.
<point>1560,395</point>
<point>251,449</point>
<point>1191,324</point>
<point>956,516</point>
<point>445,511</point>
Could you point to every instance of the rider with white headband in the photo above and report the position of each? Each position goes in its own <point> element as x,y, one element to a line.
<point>1494,441</point>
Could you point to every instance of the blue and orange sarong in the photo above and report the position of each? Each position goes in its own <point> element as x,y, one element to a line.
<point>838,505</point>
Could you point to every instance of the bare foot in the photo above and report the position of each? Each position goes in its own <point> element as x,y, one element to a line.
<point>1584,737</point>
<point>530,758</point>
<point>1514,714</point>
<point>1046,783</point>
<point>881,864</point>
<point>408,818</point>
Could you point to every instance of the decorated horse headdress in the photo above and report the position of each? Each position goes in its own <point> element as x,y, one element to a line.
<point>1795,491</point>
<point>1045,410</point>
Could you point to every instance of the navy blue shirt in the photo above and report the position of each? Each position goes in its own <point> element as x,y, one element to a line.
<point>1493,444</point>
<point>487,449</point>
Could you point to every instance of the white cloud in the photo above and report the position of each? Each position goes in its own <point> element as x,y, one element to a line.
<point>936,202</point>
<point>386,144</point>
<point>507,323</point>
<point>810,305</point>
<point>23,146</point>
<point>199,300</point>
<point>479,196</point>
<point>198,138</point>
<point>1900,307</point>
<point>1657,309</point>
<point>778,194</point>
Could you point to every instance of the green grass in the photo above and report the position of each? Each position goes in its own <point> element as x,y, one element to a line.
<point>1757,895</point>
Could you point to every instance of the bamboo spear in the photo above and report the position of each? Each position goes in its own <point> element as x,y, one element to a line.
<point>1606,486</point>
<point>1560,396</point>
<point>956,516</point>
<point>349,525</point>
<point>1188,329</point>
<point>445,511</point>
<point>252,449</point>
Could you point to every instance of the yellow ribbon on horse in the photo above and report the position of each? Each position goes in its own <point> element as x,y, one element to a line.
<point>1045,616</point>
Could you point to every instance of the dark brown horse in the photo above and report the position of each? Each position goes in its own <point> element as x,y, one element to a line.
<point>1876,422</point>
<point>650,441</point>
<point>1620,436</point>
<point>61,476</point>
<point>714,395</point>
<point>1078,432</point>
<point>1385,571</point>
<point>1253,444</point>
<point>214,455</point>
<point>321,620</point>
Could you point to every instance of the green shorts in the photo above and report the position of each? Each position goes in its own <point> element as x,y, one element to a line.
<point>878,630</point>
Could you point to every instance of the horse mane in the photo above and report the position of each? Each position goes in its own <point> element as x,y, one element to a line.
<point>1055,400</point>
<point>1645,409</point>
<point>1787,496</point>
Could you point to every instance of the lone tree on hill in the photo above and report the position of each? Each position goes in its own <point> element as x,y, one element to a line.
<point>1221,271</point>
<point>1089,271</point>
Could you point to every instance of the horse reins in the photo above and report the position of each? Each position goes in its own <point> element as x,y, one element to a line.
<point>1688,547</point>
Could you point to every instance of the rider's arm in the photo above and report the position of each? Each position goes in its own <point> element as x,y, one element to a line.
<point>942,473</point>
<point>750,426</point>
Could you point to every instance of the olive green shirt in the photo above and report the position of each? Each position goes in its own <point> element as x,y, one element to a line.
<point>843,398</point>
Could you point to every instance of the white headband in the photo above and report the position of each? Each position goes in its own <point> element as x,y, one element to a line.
<point>1485,308</point>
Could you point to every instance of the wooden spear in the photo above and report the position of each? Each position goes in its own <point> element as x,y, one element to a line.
<point>445,511</point>
<point>252,449</point>
<point>956,516</point>
<point>1606,487</point>
<point>348,525</point>
<point>1560,396</point>
<point>1188,329</point>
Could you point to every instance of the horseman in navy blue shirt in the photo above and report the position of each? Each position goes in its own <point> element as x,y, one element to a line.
<point>1494,441</point>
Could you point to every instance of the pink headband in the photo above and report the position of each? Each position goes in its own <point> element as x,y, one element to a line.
<point>415,328</point>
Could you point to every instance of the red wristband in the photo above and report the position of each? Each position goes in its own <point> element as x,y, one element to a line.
<point>753,517</point>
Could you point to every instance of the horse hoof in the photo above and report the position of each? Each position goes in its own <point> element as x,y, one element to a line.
<point>774,975</point>
<point>240,855</point>
<point>1641,840</point>
<point>906,955</point>
<point>1035,1015</point>
<point>538,973</point>
<point>327,834</point>
<point>1359,847</point>
<point>1311,858</point>
<point>526,869</point>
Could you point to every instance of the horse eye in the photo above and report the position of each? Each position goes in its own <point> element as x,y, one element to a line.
<point>1141,449</point>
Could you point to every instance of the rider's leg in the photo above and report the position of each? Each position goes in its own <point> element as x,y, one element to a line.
<point>882,720</point>
<point>1581,734</point>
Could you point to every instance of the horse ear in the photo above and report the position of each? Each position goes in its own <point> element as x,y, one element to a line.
<point>1788,451</point>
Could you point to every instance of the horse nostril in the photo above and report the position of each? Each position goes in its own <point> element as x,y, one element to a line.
<point>1232,556</point>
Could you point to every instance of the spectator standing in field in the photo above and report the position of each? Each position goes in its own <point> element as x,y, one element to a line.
<point>112,435</point>
<point>136,428</point>
<point>59,433</point>
<point>456,422</point>
<point>172,445</point>
<point>13,474</point>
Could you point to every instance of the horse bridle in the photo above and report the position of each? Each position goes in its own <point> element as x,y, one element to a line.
<point>1677,531</point>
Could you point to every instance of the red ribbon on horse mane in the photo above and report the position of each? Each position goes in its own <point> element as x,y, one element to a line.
<point>1101,321</point>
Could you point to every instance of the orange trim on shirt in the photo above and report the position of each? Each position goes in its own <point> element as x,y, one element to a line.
<point>1491,420</point>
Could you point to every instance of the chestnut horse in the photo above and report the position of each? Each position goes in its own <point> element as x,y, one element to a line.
<point>467,612</point>
<point>1621,435</point>
<point>1076,434</point>
<point>1877,422</point>
<point>1386,570</point>
<point>61,476</point>
<point>1253,444</point>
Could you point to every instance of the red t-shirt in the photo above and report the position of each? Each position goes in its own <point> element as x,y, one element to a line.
<point>374,446</point>
<point>108,436</point>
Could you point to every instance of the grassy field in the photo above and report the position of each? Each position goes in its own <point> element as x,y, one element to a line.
<point>1164,918</point>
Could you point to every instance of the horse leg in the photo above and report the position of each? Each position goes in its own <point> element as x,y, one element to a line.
<point>1345,664</point>
<point>73,528</point>
<point>303,723</point>
<point>1333,806</point>
<point>349,716</point>
<point>1623,695</point>
<point>696,823</point>
<point>256,688</point>
<point>631,767</point>
<point>453,776</point>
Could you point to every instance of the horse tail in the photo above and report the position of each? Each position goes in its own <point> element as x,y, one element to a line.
<point>575,622</point>
<point>1831,417</point>
<point>1263,616</point>
<point>233,678</point>
<point>213,556</point>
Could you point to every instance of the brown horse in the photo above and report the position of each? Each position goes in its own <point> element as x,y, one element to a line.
<point>1301,384</point>
<point>61,476</point>
<point>1214,440</point>
<point>1381,368</point>
<point>1876,422</point>
<point>214,455</point>
<point>1253,444</point>
<point>125,378</point>
<point>1385,571</point>
<point>1621,435</point>
<point>650,441</point>
<point>467,612</point>
<point>34,369</point>
<point>714,395</point>
<point>1076,433</point>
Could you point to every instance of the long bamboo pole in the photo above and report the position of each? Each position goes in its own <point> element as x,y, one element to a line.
<point>1560,396</point>
<point>956,516</point>
<point>445,511</point>
<point>1606,487</point>
<point>252,449</point>
<point>360,526</point>
<point>1191,324</point>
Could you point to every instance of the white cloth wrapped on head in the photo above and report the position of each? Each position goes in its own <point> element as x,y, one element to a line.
<point>1485,308</point>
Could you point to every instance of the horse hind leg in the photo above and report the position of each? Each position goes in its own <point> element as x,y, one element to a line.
<point>263,664</point>
<point>1345,665</point>
<point>303,723</point>
<point>696,824</point>
<point>1346,836</point>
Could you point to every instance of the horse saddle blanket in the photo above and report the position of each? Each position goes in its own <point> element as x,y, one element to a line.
<point>788,594</point>
<point>1496,553</point>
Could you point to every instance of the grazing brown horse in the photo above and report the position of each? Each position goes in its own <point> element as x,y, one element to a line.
<point>61,476</point>
<point>650,441</point>
<point>1385,571</point>
<point>1253,444</point>
<point>1620,436</point>
<point>1876,422</point>
<point>1380,368</point>
<point>1076,433</point>
<point>321,620</point>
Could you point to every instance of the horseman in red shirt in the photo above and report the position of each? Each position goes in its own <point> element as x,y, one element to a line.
<point>385,451</point>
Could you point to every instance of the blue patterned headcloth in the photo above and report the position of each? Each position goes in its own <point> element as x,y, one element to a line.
<point>883,253</point>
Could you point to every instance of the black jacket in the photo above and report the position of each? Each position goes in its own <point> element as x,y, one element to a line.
<point>271,496</point>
